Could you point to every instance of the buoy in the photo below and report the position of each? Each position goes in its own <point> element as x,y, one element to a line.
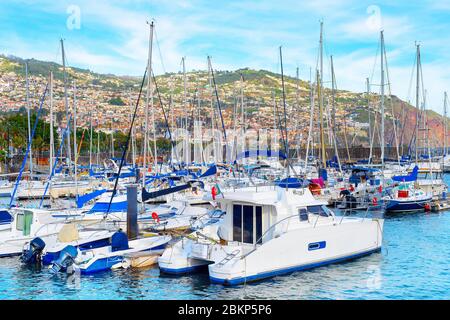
<point>375,201</point>
<point>155,217</point>
<point>427,207</point>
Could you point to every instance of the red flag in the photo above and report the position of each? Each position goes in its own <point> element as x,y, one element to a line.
<point>214,193</point>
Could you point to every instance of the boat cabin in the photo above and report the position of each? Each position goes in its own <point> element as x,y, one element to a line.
<point>256,217</point>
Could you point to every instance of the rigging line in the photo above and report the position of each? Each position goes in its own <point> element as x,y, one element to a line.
<point>165,116</point>
<point>159,51</point>
<point>125,147</point>
<point>375,61</point>
<point>408,98</point>
<point>218,104</point>
<point>28,146</point>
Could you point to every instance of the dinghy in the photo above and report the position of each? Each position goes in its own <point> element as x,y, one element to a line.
<point>108,257</point>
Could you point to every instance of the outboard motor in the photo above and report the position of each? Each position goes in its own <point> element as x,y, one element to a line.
<point>33,252</point>
<point>66,259</point>
<point>351,202</point>
<point>119,241</point>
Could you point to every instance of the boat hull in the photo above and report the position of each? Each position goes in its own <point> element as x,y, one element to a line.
<point>407,205</point>
<point>298,250</point>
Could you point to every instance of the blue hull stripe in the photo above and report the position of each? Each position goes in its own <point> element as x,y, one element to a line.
<point>236,281</point>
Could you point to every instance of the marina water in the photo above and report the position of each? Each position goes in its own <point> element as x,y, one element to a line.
<point>414,263</point>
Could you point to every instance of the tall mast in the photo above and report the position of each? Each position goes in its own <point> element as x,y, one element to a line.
<point>149,92</point>
<point>185,107</point>
<point>212,110</point>
<point>322,140</point>
<point>98,145</point>
<point>333,102</point>
<point>75,137</point>
<point>286,140</point>
<point>311,120</point>
<point>445,123</point>
<point>112,138</point>
<point>368,112</point>
<point>297,102</point>
<point>242,103</point>
<point>382,98</point>
<point>133,154</point>
<point>66,103</point>
<point>90,140</point>
<point>417,99</point>
<point>29,118</point>
<point>52,143</point>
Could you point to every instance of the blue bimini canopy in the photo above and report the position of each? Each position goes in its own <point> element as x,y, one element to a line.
<point>290,183</point>
<point>408,178</point>
<point>116,206</point>
<point>5,217</point>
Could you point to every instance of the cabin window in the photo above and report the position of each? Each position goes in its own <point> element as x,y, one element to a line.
<point>19,222</point>
<point>247,226</point>
<point>237,223</point>
<point>247,223</point>
<point>258,224</point>
<point>303,214</point>
<point>320,210</point>
<point>24,221</point>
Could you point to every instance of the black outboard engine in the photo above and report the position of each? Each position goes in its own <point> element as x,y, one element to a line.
<point>66,259</point>
<point>351,202</point>
<point>33,252</point>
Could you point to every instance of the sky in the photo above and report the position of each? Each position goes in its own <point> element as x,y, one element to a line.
<point>113,37</point>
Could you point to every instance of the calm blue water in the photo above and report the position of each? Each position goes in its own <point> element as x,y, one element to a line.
<point>413,264</point>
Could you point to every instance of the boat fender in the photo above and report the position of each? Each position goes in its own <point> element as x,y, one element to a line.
<point>125,264</point>
<point>375,201</point>
<point>155,217</point>
<point>427,207</point>
<point>32,252</point>
<point>65,260</point>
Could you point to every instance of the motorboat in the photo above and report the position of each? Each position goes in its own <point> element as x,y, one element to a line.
<point>272,232</point>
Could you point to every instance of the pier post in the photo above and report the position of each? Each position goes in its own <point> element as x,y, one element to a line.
<point>132,225</point>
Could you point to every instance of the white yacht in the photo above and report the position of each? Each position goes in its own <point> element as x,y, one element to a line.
<point>269,233</point>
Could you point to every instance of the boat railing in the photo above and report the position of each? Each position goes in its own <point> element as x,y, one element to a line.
<point>272,227</point>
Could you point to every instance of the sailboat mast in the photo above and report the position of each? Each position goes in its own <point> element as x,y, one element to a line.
<point>333,98</point>
<point>52,143</point>
<point>368,113</point>
<point>382,98</point>
<point>66,103</point>
<point>322,139</point>
<point>90,140</point>
<point>417,99</point>
<point>29,118</point>
<point>445,123</point>
<point>286,140</point>
<point>133,151</point>
<point>186,146</point>
<point>212,110</point>
<point>149,92</point>
<point>75,137</point>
